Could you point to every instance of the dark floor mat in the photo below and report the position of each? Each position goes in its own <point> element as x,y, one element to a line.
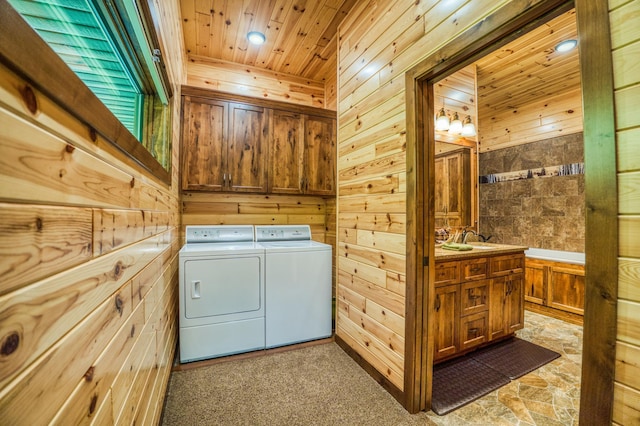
<point>465,379</point>
<point>515,357</point>
<point>461,381</point>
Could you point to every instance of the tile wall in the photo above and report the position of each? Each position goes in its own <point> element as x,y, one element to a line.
<point>539,211</point>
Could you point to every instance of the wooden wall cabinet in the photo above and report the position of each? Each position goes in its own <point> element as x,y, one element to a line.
<point>477,300</point>
<point>302,159</point>
<point>256,146</point>
<point>453,189</point>
<point>224,146</point>
<point>556,285</point>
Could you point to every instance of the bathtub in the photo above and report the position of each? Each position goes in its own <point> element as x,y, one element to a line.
<point>555,255</point>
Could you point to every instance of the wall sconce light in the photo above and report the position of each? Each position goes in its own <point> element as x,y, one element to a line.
<point>468,129</point>
<point>256,37</point>
<point>456,124</point>
<point>442,121</point>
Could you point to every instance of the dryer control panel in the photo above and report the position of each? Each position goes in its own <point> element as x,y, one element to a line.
<point>218,233</point>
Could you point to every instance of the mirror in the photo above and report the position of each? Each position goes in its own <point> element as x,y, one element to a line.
<point>456,154</point>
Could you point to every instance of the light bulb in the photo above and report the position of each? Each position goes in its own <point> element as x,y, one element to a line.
<point>442,121</point>
<point>468,129</point>
<point>456,124</point>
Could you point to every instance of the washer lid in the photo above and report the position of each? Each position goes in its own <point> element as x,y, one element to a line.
<point>293,246</point>
<point>219,249</point>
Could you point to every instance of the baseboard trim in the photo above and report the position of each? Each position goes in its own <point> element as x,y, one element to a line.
<point>554,313</point>
<point>370,369</point>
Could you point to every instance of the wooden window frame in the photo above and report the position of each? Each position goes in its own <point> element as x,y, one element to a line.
<point>506,24</point>
<point>24,52</point>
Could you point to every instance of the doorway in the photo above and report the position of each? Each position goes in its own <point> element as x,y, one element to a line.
<point>596,403</point>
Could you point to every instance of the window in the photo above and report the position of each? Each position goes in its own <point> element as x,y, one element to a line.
<point>109,46</point>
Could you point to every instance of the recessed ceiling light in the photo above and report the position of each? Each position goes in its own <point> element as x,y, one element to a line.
<point>256,37</point>
<point>566,45</point>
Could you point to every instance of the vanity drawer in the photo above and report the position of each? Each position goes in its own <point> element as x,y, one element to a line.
<point>475,269</point>
<point>447,273</point>
<point>506,265</point>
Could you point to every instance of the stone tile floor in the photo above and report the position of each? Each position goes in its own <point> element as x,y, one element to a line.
<point>549,395</point>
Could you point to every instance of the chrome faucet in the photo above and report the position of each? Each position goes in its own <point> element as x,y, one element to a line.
<point>466,233</point>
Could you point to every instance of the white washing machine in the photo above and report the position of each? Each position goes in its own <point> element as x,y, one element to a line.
<point>222,292</point>
<point>298,285</point>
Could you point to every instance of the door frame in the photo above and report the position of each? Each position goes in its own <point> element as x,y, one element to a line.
<point>599,332</point>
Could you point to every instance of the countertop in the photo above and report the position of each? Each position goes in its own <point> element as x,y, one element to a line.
<point>480,249</point>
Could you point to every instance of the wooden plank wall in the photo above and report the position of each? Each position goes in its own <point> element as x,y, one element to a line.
<point>378,43</point>
<point>625,40</point>
<point>251,81</point>
<point>88,266</point>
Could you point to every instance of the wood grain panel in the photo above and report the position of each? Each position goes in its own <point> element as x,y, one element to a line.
<point>249,81</point>
<point>35,329</point>
<point>629,271</point>
<point>76,351</point>
<point>377,350</point>
<point>383,260</point>
<point>626,405</point>
<point>89,394</point>
<point>66,328</point>
<point>380,295</point>
<point>37,165</point>
<point>628,327</point>
<point>628,155</point>
<point>360,343</point>
<point>386,336</point>
<point>628,364</point>
<point>38,241</point>
<point>386,222</point>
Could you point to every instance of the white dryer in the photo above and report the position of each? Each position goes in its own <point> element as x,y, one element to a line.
<point>298,285</point>
<point>222,292</point>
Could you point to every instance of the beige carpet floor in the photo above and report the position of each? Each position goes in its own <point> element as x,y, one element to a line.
<point>321,385</point>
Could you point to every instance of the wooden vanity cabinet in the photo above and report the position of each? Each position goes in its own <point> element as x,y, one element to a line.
<point>477,299</point>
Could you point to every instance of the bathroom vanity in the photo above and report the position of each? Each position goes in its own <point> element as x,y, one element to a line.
<point>479,296</point>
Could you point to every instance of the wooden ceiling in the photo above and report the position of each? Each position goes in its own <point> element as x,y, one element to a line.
<point>300,33</point>
<point>529,69</point>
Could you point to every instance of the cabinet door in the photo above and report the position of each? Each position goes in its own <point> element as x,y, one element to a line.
<point>534,281</point>
<point>286,149</point>
<point>247,149</point>
<point>441,187</point>
<point>453,189</point>
<point>514,307</point>
<point>446,320</point>
<point>566,288</point>
<point>319,156</point>
<point>204,132</point>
